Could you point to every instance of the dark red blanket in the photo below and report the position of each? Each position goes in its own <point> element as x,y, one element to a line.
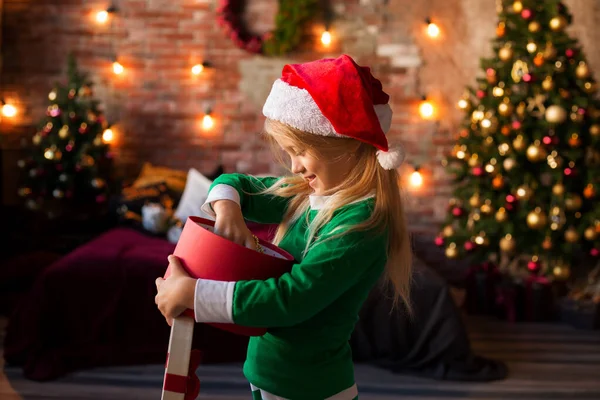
<point>96,307</point>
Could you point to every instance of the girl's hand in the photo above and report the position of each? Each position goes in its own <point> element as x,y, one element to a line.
<point>230,224</point>
<point>176,293</point>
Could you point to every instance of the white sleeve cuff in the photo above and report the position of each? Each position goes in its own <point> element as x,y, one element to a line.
<point>213,301</point>
<point>220,192</point>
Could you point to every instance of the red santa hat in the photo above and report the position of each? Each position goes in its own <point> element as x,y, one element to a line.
<point>335,97</point>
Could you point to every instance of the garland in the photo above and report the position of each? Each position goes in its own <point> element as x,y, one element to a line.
<point>289,21</point>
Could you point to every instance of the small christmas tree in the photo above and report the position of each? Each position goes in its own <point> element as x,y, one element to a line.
<point>69,163</point>
<point>527,160</point>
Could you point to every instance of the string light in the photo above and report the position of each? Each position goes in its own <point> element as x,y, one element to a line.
<point>207,121</point>
<point>8,110</point>
<point>426,109</point>
<point>103,16</point>
<point>199,68</point>
<point>117,67</point>
<point>326,38</point>
<point>416,178</point>
<point>433,31</point>
<point>108,135</point>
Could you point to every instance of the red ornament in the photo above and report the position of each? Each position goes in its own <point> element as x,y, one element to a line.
<point>480,94</point>
<point>101,198</point>
<point>477,171</point>
<point>509,206</point>
<point>547,140</point>
<point>568,171</point>
<point>527,78</point>
<point>569,53</point>
<point>510,198</point>
<point>526,13</point>
<point>534,266</point>
<point>516,125</point>
<point>439,241</point>
<point>595,252</point>
<point>469,245</point>
<point>457,211</point>
<point>581,111</point>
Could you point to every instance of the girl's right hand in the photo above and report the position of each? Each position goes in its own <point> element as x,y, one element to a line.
<point>230,223</point>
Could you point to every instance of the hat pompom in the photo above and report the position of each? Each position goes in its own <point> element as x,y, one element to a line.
<point>392,158</point>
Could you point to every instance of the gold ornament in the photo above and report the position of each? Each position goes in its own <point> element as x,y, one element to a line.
<point>473,160</point>
<point>556,114</point>
<point>448,231</point>
<point>535,152</point>
<point>559,66</point>
<point>519,69</point>
<point>590,234</point>
<point>519,143</point>
<point>524,192</point>
<point>536,219</point>
<point>517,6</point>
<point>595,130</point>
<point>549,51</point>
<point>582,71</point>
<point>24,191</point>
<point>37,139</point>
<point>505,108</point>
<point>475,200</point>
<point>534,26</point>
<point>558,23</point>
<point>535,105</point>
<point>571,235</point>
<point>589,191</point>
<point>63,133</point>
<point>547,243</point>
<point>508,244</point>
<point>558,189</point>
<point>487,208</point>
<point>52,95</point>
<point>561,271</point>
<point>521,109</point>
<point>573,202</point>
<point>548,83</point>
<point>87,161</point>
<point>509,164</point>
<point>98,141</point>
<point>557,218</point>
<point>451,251</point>
<point>506,53</point>
<point>531,47</point>
<point>501,214</point>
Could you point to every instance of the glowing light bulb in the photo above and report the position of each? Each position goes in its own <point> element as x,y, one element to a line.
<point>463,104</point>
<point>207,122</point>
<point>108,136</point>
<point>433,30</point>
<point>416,179</point>
<point>326,38</point>
<point>118,68</point>
<point>426,109</point>
<point>9,111</point>
<point>197,69</point>
<point>102,17</point>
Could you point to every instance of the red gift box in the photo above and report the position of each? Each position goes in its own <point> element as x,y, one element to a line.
<point>207,255</point>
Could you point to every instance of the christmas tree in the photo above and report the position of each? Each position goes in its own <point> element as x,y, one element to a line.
<point>69,162</point>
<point>526,162</point>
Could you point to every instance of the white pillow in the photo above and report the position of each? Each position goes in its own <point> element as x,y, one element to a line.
<point>194,195</point>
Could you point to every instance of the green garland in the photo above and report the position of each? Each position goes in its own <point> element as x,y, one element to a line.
<point>289,23</point>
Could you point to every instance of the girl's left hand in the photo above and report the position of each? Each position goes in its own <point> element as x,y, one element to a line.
<point>176,293</point>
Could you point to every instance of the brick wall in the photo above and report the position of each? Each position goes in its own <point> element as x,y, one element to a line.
<point>158,104</point>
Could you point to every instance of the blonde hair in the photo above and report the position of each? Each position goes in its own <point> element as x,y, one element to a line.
<point>364,178</point>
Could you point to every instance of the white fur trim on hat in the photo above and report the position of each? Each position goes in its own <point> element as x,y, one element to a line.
<point>392,158</point>
<point>295,107</point>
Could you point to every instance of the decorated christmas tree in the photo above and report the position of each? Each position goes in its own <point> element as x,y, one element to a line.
<point>69,161</point>
<point>527,159</point>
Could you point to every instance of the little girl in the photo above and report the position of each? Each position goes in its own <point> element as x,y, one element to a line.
<point>340,215</point>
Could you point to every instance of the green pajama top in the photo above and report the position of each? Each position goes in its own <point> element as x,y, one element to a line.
<point>310,311</point>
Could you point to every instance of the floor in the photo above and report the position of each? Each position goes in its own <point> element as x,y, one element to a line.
<point>546,361</point>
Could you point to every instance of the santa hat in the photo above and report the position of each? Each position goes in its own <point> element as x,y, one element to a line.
<point>335,97</point>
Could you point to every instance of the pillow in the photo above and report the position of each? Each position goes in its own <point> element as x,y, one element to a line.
<point>194,195</point>
<point>150,174</point>
<point>129,204</point>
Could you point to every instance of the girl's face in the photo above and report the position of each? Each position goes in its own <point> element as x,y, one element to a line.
<point>322,174</point>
